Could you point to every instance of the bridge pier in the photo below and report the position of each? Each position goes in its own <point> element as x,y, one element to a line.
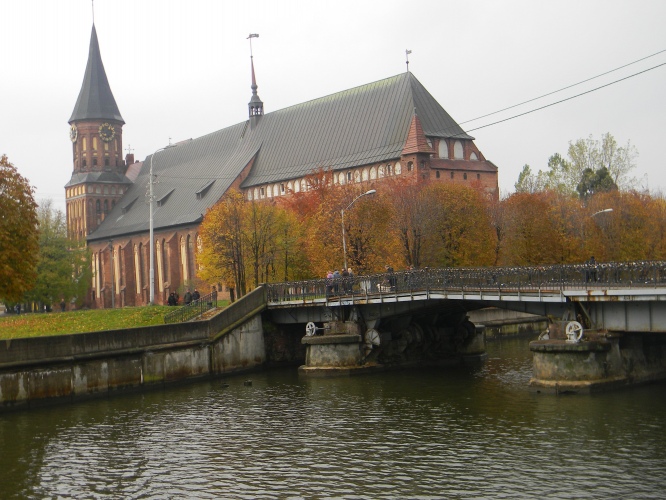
<point>343,348</point>
<point>600,362</point>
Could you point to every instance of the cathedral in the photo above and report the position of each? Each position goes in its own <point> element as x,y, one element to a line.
<point>392,127</point>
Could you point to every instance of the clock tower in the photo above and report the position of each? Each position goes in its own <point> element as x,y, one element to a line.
<point>96,131</point>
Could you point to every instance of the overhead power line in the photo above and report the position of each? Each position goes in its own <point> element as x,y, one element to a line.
<point>567,99</point>
<point>564,88</point>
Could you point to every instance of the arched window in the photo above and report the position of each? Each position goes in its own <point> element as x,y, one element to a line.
<point>373,173</point>
<point>137,268</point>
<point>410,166</point>
<point>398,168</point>
<point>473,156</point>
<point>84,147</point>
<point>249,195</point>
<point>341,177</point>
<point>184,260</point>
<point>94,143</point>
<point>98,206</point>
<point>458,150</point>
<point>160,265</point>
<point>357,176</point>
<point>167,268</point>
<point>380,172</point>
<point>297,187</point>
<point>443,149</point>
<point>365,175</point>
<point>106,206</point>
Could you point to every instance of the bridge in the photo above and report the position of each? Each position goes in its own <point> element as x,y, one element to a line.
<point>607,319</point>
<point>623,296</point>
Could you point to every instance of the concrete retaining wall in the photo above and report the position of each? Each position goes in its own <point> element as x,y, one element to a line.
<point>47,368</point>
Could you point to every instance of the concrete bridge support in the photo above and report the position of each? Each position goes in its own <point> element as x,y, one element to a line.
<point>351,347</point>
<point>600,362</point>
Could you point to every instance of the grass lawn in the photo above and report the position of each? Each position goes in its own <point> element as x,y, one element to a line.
<point>57,323</point>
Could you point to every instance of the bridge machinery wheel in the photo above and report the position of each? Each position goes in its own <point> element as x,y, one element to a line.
<point>310,329</point>
<point>372,337</point>
<point>574,331</point>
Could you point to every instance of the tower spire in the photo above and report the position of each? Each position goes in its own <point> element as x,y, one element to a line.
<point>255,106</point>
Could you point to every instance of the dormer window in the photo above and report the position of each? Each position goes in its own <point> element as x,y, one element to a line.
<point>443,149</point>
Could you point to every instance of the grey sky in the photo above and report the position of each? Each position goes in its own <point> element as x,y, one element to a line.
<point>180,69</point>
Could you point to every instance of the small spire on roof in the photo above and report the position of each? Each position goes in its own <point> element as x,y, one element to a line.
<point>407,52</point>
<point>255,106</point>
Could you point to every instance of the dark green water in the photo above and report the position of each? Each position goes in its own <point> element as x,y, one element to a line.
<point>474,433</point>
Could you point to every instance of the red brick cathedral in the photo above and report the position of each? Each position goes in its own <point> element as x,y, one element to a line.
<point>393,127</point>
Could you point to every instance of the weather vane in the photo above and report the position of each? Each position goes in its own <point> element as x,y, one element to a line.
<point>407,52</point>
<point>250,37</point>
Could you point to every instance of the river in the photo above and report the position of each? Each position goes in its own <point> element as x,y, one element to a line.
<point>418,433</point>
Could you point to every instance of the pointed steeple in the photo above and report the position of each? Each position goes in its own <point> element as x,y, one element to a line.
<point>95,100</point>
<point>416,140</point>
<point>255,106</point>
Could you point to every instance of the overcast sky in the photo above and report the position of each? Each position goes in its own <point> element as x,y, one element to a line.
<point>180,69</point>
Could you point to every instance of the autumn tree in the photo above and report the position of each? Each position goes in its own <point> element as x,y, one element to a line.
<point>18,233</point>
<point>246,243</point>
<point>62,267</point>
<point>458,230</point>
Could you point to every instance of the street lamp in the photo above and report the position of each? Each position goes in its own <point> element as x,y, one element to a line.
<point>342,216</point>
<point>602,211</point>
<point>151,201</point>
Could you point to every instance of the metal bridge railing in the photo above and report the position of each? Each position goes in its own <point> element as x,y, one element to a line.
<point>521,279</point>
<point>192,310</point>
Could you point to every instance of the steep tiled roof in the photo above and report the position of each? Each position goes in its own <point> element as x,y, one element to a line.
<point>95,100</point>
<point>363,125</point>
<point>416,139</point>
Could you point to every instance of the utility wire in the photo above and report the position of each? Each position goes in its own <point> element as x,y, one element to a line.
<point>567,99</point>
<point>563,88</point>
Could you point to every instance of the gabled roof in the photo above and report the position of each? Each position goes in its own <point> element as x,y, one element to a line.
<point>95,100</point>
<point>360,126</point>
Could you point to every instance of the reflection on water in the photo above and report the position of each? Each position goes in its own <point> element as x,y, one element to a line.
<point>444,433</point>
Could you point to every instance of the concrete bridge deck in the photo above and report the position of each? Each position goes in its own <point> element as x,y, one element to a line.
<point>626,296</point>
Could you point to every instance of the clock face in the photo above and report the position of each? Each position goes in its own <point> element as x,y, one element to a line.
<point>106,132</point>
<point>73,133</point>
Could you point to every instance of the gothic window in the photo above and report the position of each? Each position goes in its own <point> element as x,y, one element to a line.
<point>398,168</point>
<point>160,265</point>
<point>373,173</point>
<point>98,206</point>
<point>165,259</point>
<point>365,174</point>
<point>263,192</point>
<point>184,260</point>
<point>458,150</point>
<point>143,255</point>
<point>190,256</point>
<point>282,188</point>
<point>256,193</point>
<point>357,176</point>
<point>349,176</point>
<point>380,172</point>
<point>117,268</point>
<point>137,269</point>
<point>304,186</point>
<point>249,195</point>
<point>269,191</point>
<point>388,169</point>
<point>410,166</point>
<point>473,156</point>
<point>443,149</point>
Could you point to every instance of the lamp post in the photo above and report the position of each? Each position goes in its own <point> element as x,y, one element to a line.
<point>151,201</point>
<point>342,216</point>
